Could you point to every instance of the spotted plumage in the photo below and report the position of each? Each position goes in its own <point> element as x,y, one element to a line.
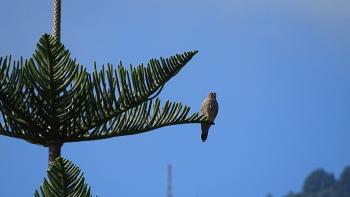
<point>210,109</point>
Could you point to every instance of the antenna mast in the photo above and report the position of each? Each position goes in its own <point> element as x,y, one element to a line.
<point>170,181</point>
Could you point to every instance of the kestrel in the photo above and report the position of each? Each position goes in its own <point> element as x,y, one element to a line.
<point>210,109</point>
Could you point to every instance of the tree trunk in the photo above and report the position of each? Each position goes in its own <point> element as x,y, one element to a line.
<point>54,152</point>
<point>56,21</point>
<point>55,149</point>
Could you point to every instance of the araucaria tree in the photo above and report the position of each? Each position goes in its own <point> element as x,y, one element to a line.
<point>50,99</point>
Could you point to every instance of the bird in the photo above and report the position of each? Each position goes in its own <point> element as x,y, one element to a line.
<point>209,108</point>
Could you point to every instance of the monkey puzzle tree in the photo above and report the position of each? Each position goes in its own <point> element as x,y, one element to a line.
<point>50,99</point>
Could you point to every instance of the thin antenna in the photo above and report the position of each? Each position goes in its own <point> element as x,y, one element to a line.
<point>170,181</point>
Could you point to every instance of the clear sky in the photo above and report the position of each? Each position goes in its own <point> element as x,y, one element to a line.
<point>281,71</point>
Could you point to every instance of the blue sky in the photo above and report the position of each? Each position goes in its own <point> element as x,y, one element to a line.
<point>280,70</point>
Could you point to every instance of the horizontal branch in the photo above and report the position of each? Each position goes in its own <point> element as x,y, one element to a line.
<point>22,137</point>
<point>125,133</point>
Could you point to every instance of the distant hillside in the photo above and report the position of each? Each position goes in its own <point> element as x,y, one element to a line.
<point>323,184</point>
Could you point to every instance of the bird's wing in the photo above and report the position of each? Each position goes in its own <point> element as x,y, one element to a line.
<point>204,108</point>
<point>216,108</point>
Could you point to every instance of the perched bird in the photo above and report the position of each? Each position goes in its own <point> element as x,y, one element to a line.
<point>210,109</point>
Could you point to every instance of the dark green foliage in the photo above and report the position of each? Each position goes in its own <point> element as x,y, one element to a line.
<point>51,99</point>
<point>64,180</point>
<point>322,184</point>
<point>343,185</point>
<point>318,180</point>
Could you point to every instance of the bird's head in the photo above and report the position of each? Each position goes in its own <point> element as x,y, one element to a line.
<point>212,95</point>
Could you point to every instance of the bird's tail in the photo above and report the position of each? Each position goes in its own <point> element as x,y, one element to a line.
<point>205,130</point>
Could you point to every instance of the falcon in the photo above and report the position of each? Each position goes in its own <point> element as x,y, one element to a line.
<point>209,109</point>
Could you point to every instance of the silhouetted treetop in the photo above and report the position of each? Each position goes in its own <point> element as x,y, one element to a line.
<point>320,183</point>
<point>317,181</point>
